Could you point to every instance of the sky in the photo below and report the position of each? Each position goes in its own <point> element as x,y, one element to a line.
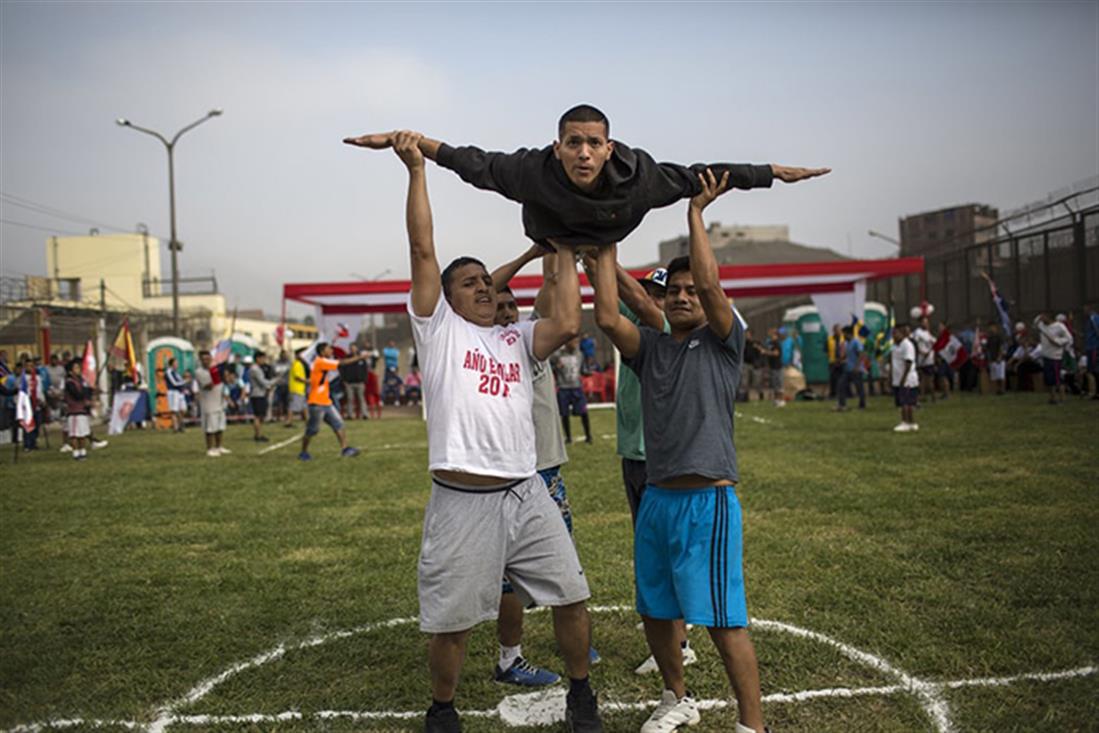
<point>915,106</point>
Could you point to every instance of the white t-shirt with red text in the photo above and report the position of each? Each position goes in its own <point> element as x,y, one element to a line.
<point>478,392</point>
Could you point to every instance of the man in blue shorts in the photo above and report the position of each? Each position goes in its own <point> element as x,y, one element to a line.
<point>687,539</point>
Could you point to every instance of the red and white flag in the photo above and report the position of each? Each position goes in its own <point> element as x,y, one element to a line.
<point>950,348</point>
<point>88,368</point>
<point>341,340</point>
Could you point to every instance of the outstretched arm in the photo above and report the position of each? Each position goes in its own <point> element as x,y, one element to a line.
<point>554,332</point>
<point>704,272</point>
<point>426,282</point>
<point>383,140</point>
<point>491,171</point>
<point>624,334</point>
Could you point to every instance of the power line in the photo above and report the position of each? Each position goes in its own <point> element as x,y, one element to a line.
<point>43,229</point>
<point>49,210</point>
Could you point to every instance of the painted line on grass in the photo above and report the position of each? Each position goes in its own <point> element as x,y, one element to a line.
<point>281,444</point>
<point>544,708</point>
<point>553,698</point>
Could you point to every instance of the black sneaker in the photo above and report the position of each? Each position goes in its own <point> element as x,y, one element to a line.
<point>442,721</point>
<point>582,712</point>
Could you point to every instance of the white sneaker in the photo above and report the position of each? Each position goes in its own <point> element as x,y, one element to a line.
<point>97,444</point>
<point>66,448</point>
<point>649,665</point>
<point>213,453</point>
<point>901,428</point>
<point>223,450</point>
<point>671,713</point>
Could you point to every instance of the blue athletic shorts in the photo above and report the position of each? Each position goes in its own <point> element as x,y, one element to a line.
<point>555,485</point>
<point>688,556</point>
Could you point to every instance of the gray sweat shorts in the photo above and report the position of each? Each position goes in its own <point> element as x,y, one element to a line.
<point>473,537</point>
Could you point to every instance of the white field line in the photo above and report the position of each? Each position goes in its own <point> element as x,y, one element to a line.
<point>610,706</point>
<point>928,692</point>
<point>281,444</point>
<point>934,704</point>
<point>387,446</point>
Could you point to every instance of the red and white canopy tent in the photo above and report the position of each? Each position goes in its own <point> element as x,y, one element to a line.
<point>739,281</point>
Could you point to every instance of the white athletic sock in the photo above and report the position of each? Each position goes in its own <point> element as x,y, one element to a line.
<point>741,728</point>
<point>508,655</point>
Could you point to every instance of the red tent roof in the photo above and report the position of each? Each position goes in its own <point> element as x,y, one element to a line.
<point>740,281</point>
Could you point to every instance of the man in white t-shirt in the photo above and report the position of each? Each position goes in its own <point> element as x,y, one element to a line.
<point>489,515</point>
<point>906,381</point>
<point>211,404</point>
<point>1055,338</point>
<point>924,343</point>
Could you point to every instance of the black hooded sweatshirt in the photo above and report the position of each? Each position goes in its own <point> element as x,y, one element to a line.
<point>630,184</point>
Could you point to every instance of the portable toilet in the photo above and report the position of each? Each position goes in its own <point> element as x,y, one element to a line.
<point>242,345</point>
<point>814,354</point>
<point>157,354</point>
<point>876,319</point>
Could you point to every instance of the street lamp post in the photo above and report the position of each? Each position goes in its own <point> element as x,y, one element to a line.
<point>173,244</point>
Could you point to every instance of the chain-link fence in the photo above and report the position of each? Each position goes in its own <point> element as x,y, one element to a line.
<point>1053,267</point>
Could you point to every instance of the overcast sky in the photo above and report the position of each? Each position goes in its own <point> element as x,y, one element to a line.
<point>915,107</point>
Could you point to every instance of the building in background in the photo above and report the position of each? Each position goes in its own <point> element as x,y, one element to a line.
<point>947,230</point>
<point>120,274</point>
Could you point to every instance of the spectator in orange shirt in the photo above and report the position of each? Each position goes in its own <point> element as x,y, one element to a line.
<point>320,401</point>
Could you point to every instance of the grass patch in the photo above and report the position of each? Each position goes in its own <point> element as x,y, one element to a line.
<point>965,550</point>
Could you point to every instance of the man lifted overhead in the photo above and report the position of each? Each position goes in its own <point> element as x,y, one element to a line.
<point>585,188</point>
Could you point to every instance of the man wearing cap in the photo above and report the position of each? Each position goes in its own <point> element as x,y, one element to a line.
<point>687,547</point>
<point>641,302</point>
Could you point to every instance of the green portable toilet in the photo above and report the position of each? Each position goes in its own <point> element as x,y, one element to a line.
<point>814,341</point>
<point>242,345</point>
<point>157,354</point>
<point>876,319</point>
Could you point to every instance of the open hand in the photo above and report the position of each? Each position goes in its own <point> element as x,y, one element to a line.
<point>792,174</point>
<point>374,141</point>
<point>406,144</point>
<point>711,189</point>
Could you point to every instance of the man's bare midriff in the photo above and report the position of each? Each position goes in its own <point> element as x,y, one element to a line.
<point>694,481</point>
<point>470,479</point>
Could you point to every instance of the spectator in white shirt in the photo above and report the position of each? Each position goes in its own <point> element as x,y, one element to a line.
<point>1055,338</point>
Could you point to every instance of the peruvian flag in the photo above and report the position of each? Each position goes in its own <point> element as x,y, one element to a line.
<point>87,369</point>
<point>950,349</point>
<point>341,341</point>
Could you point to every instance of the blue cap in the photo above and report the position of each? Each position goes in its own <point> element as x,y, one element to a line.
<point>659,276</point>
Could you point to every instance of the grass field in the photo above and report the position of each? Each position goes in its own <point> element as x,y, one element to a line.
<point>134,582</point>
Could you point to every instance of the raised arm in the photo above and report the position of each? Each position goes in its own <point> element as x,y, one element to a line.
<point>426,278</point>
<point>563,324</point>
<point>704,272</point>
<point>502,275</point>
<point>543,302</point>
<point>624,334</point>
<point>637,300</point>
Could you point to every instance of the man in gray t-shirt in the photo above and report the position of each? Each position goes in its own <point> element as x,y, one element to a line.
<point>568,366</point>
<point>688,561</point>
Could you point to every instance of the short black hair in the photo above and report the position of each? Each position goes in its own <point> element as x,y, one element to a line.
<point>321,345</point>
<point>203,353</point>
<point>678,264</point>
<point>448,273</point>
<point>583,113</point>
